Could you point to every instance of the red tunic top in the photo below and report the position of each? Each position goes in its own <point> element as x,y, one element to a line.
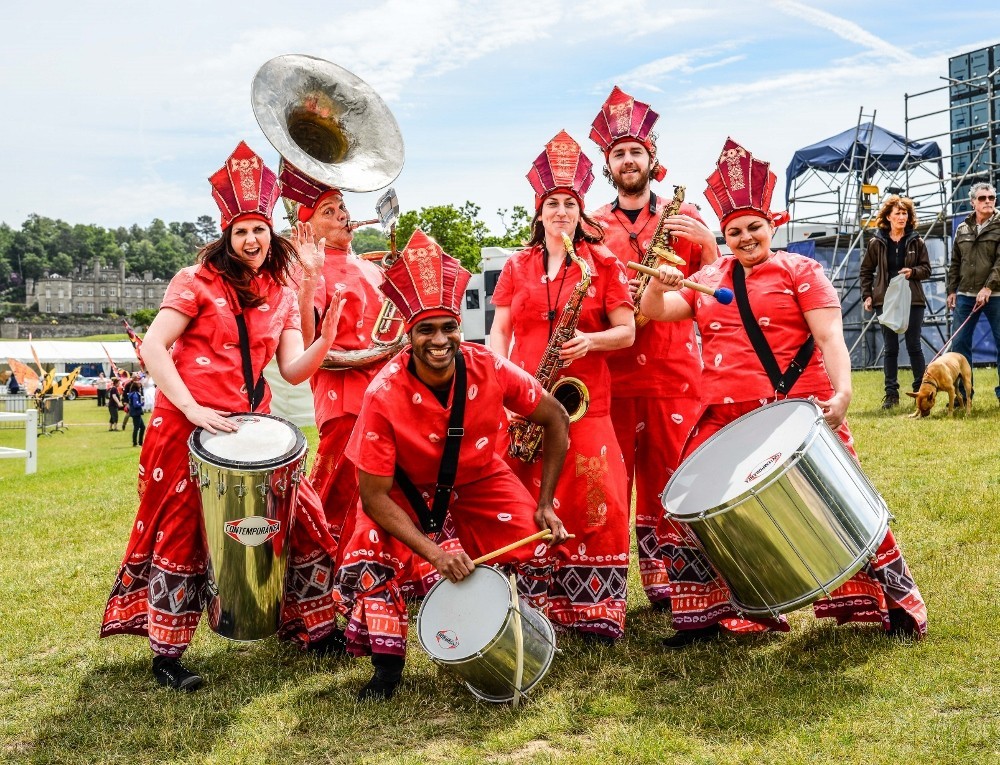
<point>207,354</point>
<point>402,422</point>
<point>663,361</point>
<point>780,291</point>
<point>522,286</point>
<point>339,392</point>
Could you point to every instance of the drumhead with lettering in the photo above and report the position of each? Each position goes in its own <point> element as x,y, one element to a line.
<point>741,457</point>
<point>458,620</point>
<point>262,442</point>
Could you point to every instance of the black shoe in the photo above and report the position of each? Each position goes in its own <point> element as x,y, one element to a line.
<point>901,624</point>
<point>890,402</point>
<point>597,639</point>
<point>388,673</point>
<point>334,644</point>
<point>683,638</point>
<point>172,674</point>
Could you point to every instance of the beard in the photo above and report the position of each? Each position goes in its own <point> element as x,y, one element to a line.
<point>636,186</point>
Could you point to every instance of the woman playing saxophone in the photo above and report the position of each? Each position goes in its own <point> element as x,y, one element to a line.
<point>530,297</point>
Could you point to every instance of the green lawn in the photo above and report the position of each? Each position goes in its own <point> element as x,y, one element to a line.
<point>819,694</point>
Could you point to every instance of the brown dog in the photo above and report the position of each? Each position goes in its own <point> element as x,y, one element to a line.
<point>942,374</point>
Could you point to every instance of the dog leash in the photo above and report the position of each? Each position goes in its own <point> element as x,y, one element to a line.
<point>948,341</point>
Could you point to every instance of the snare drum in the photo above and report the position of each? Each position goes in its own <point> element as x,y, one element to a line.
<point>779,507</point>
<point>474,627</point>
<point>248,482</point>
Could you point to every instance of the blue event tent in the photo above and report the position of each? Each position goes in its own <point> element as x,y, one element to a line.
<point>866,147</point>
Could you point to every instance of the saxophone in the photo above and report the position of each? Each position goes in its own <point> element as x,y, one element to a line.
<point>659,250</point>
<point>526,436</point>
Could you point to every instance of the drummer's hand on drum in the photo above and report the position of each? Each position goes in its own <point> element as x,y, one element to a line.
<point>210,419</point>
<point>835,409</point>
<point>546,518</point>
<point>453,566</point>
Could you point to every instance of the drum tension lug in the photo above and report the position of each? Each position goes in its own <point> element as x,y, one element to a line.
<point>262,489</point>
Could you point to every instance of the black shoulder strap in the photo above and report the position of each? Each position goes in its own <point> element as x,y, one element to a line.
<point>254,392</point>
<point>432,520</point>
<point>782,381</point>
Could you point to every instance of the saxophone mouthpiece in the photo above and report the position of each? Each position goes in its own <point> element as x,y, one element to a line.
<point>567,242</point>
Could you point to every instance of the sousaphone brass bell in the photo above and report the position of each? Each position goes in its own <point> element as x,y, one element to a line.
<point>327,122</point>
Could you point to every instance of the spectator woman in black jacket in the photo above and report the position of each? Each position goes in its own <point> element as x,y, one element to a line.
<point>897,248</point>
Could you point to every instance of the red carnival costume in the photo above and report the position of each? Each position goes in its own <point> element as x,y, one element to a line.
<point>655,383</point>
<point>162,586</point>
<point>403,425</point>
<point>734,382</point>
<point>337,393</point>
<point>588,590</point>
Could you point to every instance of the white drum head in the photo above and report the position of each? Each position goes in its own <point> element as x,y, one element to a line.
<point>741,456</point>
<point>262,441</point>
<point>458,620</point>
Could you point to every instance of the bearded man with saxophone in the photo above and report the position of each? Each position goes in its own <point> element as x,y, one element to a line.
<point>655,383</point>
<point>565,304</point>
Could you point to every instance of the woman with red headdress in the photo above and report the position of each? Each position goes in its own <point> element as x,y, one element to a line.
<point>797,310</point>
<point>193,349</point>
<point>588,587</point>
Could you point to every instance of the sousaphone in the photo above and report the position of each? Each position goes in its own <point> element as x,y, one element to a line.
<point>327,122</point>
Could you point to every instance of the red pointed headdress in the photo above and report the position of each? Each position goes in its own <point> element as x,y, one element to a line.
<point>425,282</point>
<point>299,187</point>
<point>244,187</point>
<point>622,118</point>
<point>742,185</point>
<point>561,167</point>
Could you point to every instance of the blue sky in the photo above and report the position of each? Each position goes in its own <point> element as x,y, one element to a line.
<point>117,112</point>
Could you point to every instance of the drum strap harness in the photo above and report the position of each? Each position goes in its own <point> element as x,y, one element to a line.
<point>432,520</point>
<point>254,392</point>
<point>782,381</point>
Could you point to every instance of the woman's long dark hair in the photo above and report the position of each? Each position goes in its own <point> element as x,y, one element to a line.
<point>220,256</point>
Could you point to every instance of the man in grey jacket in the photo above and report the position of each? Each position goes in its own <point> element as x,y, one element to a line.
<point>974,274</point>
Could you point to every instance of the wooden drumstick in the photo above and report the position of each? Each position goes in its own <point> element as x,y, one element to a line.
<point>723,294</point>
<point>543,534</point>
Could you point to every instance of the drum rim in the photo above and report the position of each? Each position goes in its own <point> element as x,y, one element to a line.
<point>793,457</point>
<point>298,449</point>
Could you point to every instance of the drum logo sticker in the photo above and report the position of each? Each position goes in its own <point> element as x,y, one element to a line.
<point>759,470</point>
<point>253,530</point>
<point>447,639</point>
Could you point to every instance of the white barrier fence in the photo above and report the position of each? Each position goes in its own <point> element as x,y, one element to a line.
<point>30,451</point>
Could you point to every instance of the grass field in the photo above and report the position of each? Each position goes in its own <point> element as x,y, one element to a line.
<point>819,694</point>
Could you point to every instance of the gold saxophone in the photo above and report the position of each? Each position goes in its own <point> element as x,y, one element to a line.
<point>659,250</point>
<point>526,436</point>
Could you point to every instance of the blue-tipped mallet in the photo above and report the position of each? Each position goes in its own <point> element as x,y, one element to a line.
<point>723,294</point>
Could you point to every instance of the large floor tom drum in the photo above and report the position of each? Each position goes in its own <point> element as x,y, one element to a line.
<point>248,482</point>
<point>779,506</point>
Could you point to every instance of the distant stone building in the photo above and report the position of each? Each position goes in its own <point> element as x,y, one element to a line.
<point>95,292</point>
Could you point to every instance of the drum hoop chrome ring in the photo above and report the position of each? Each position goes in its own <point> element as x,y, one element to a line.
<point>261,466</point>
<point>773,476</point>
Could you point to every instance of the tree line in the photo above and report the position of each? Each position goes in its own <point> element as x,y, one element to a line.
<point>50,246</point>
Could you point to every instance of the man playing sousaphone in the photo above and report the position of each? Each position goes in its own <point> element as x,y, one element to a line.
<point>337,393</point>
<point>433,413</point>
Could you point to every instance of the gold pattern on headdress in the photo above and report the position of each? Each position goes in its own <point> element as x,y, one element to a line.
<point>246,168</point>
<point>426,270</point>
<point>622,114</point>
<point>732,158</point>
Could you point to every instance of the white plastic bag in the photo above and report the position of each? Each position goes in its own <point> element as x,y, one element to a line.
<point>896,305</point>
